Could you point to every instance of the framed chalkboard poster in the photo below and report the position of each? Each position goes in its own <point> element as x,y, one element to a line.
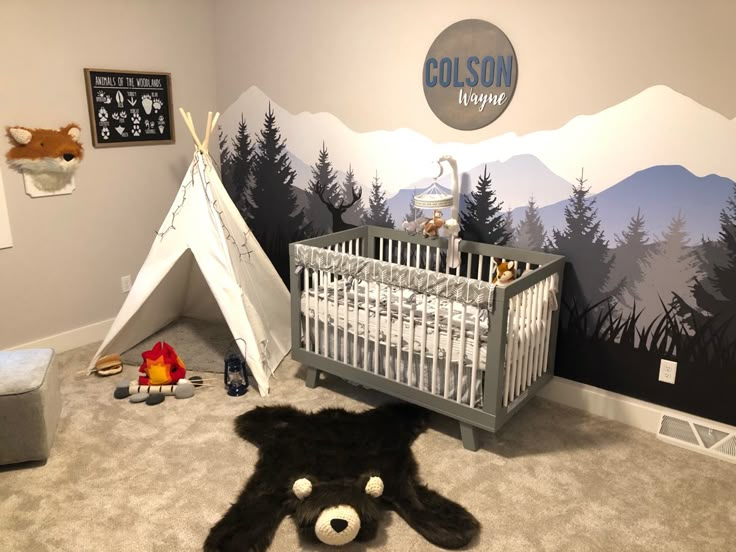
<point>129,108</point>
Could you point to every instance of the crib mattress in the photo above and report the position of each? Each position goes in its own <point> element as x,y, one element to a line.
<point>399,311</point>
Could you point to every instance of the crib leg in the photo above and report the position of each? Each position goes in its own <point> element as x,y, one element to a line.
<point>469,435</point>
<point>312,377</point>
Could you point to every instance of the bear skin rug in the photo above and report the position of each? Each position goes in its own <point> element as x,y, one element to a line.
<point>334,472</point>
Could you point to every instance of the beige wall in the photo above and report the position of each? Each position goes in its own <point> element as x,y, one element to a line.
<point>362,60</point>
<point>70,251</point>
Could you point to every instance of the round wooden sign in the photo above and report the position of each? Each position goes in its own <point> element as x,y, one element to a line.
<point>469,74</point>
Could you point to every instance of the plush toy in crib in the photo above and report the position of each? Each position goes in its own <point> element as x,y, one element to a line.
<point>505,272</point>
<point>161,366</point>
<point>334,471</point>
<point>433,225</point>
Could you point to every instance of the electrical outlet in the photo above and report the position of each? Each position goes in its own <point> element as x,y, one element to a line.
<point>667,371</point>
<point>125,283</point>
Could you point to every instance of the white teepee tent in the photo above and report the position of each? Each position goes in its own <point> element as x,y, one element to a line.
<point>204,250</point>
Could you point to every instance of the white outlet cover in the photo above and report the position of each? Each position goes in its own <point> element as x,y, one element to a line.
<point>125,284</point>
<point>667,371</point>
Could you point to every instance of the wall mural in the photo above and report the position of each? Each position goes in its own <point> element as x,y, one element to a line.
<point>642,206</point>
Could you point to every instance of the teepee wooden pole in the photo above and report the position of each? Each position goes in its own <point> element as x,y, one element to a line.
<point>190,125</point>
<point>208,130</point>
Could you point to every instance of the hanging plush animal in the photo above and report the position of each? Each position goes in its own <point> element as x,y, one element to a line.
<point>433,225</point>
<point>505,272</point>
<point>47,158</point>
<point>334,471</point>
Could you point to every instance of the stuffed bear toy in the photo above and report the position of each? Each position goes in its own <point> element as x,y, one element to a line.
<point>334,472</point>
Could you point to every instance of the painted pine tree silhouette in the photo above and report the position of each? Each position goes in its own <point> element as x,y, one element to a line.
<point>377,213</point>
<point>354,215</point>
<point>582,242</point>
<point>508,222</point>
<point>226,161</point>
<point>323,181</point>
<point>241,166</point>
<point>668,271</point>
<point>275,216</point>
<point>716,294</point>
<point>483,219</point>
<point>530,232</point>
<point>413,213</point>
<point>632,247</point>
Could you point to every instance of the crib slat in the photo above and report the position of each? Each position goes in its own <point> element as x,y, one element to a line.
<point>389,330</point>
<point>543,325</point>
<point>436,349</point>
<point>521,379</point>
<point>536,313</point>
<point>366,325</point>
<point>380,249</point>
<point>356,325</point>
<point>307,331</point>
<point>410,379</point>
<point>335,320</point>
<point>461,354</point>
<point>398,363</point>
<point>423,352</point>
<point>476,358</point>
<point>480,267</point>
<point>346,322</point>
<point>377,342</point>
<point>511,348</point>
<point>449,347</point>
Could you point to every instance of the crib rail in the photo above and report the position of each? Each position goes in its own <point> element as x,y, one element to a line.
<point>385,303</point>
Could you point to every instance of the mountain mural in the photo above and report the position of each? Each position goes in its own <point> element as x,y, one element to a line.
<point>659,193</point>
<point>640,283</point>
<point>658,126</point>
<point>514,181</point>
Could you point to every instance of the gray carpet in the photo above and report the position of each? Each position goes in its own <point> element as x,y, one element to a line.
<point>137,478</point>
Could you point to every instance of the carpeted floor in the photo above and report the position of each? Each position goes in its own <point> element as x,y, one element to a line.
<point>131,477</point>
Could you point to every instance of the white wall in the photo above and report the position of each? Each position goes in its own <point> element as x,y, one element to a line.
<point>70,251</point>
<point>362,60</point>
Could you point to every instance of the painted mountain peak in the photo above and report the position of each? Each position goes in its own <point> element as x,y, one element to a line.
<point>658,126</point>
<point>659,194</point>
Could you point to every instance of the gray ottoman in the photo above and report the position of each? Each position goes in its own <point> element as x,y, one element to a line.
<point>30,404</point>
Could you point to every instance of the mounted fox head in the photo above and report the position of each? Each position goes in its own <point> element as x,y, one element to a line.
<point>41,150</point>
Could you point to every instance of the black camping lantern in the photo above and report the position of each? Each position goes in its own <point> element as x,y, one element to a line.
<point>236,373</point>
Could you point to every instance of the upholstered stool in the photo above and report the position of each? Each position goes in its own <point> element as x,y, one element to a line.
<point>30,404</point>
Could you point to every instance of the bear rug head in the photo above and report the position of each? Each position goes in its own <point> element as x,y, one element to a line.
<point>335,472</point>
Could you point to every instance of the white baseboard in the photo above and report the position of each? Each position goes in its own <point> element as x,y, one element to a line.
<point>600,402</point>
<point>71,339</point>
<point>633,412</point>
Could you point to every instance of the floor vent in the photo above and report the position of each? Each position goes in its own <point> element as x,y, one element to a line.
<point>718,442</point>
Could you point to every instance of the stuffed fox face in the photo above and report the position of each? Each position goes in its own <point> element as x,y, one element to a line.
<point>41,150</point>
<point>505,271</point>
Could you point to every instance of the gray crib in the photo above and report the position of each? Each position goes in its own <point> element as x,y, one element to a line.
<point>382,309</point>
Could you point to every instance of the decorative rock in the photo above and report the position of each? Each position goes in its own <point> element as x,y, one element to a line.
<point>138,397</point>
<point>184,389</point>
<point>155,398</point>
<point>196,381</point>
<point>121,390</point>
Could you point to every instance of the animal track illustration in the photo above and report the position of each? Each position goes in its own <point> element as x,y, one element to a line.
<point>135,118</point>
<point>105,132</point>
<point>157,104</point>
<point>147,103</point>
<point>102,114</point>
<point>136,130</point>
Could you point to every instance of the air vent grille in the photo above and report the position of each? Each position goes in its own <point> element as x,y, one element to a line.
<point>717,442</point>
